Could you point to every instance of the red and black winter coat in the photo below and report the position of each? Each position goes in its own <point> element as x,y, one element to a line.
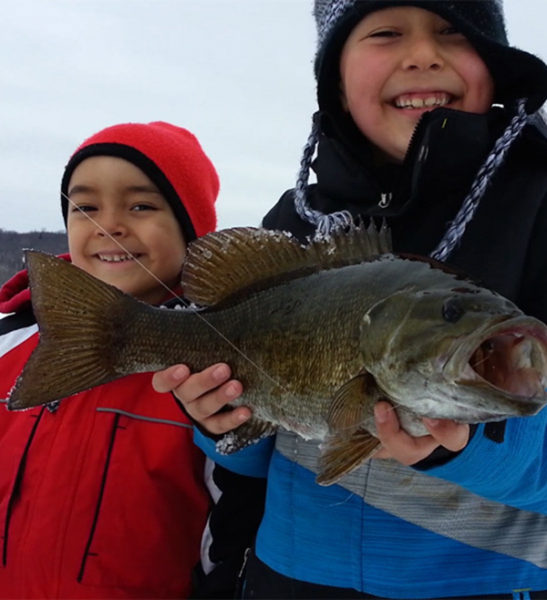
<point>103,497</point>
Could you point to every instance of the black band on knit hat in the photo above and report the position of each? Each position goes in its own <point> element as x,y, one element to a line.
<point>147,166</point>
<point>516,74</point>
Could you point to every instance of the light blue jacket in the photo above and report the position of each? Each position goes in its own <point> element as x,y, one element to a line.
<point>476,525</point>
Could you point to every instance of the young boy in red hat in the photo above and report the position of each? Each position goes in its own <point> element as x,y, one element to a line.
<point>430,120</point>
<point>103,495</point>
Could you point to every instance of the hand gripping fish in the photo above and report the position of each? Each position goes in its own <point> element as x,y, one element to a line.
<point>317,334</point>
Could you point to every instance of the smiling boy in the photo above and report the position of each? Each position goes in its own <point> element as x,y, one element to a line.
<point>430,120</point>
<point>103,495</point>
<point>121,229</point>
<point>401,62</point>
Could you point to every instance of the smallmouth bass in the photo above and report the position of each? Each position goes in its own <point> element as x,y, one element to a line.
<point>317,334</point>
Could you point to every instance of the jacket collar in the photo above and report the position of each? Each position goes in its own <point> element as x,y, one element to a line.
<point>445,152</point>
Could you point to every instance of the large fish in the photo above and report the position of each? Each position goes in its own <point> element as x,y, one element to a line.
<point>317,333</point>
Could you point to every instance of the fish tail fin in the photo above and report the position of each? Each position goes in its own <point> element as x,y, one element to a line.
<point>81,333</point>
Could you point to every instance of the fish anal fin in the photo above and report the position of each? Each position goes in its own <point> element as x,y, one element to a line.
<point>341,455</point>
<point>246,434</point>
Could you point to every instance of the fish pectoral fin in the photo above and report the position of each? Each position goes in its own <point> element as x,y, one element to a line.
<point>342,455</point>
<point>246,434</point>
<point>349,443</point>
<point>353,403</point>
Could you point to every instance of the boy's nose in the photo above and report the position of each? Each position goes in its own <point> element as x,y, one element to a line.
<point>110,225</point>
<point>423,54</point>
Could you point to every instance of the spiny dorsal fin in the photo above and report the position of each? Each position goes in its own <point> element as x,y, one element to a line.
<point>229,261</point>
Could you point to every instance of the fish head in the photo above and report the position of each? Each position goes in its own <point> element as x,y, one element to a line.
<point>460,352</point>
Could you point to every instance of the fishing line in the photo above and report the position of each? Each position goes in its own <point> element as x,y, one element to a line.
<point>186,304</point>
<point>189,307</point>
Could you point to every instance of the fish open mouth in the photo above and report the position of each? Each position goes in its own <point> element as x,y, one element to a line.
<point>513,359</point>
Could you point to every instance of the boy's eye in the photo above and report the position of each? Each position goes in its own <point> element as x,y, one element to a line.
<point>142,207</point>
<point>383,33</point>
<point>82,208</point>
<point>450,30</point>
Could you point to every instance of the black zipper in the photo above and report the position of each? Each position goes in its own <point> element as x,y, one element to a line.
<point>99,500</point>
<point>17,486</point>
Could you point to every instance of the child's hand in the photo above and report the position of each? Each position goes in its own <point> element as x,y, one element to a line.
<point>204,394</point>
<point>408,450</point>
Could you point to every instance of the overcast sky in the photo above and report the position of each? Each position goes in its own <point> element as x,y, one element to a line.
<point>238,73</point>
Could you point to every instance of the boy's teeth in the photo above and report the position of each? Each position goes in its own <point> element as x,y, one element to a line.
<point>415,102</point>
<point>115,258</point>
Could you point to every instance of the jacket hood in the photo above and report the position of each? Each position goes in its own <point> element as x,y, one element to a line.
<point>15,293</point>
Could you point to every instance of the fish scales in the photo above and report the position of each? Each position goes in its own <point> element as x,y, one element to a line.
<point>318,317</point>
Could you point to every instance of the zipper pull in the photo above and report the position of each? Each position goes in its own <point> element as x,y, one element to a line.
<point>385,200</point>
<point>424,152</point>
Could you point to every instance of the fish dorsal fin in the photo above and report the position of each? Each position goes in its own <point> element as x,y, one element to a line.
<point>231,261</point>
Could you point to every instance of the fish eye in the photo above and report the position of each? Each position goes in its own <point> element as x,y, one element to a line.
<point>453,310</point>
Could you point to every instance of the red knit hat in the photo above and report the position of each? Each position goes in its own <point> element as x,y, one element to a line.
<point>171,157</point>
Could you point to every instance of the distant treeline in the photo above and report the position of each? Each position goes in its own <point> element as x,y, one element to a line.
<point>13,243</point>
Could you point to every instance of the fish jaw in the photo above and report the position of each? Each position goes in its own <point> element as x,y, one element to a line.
<point>496,372</point>
<point>503,372</point>
<point>426,355</point>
